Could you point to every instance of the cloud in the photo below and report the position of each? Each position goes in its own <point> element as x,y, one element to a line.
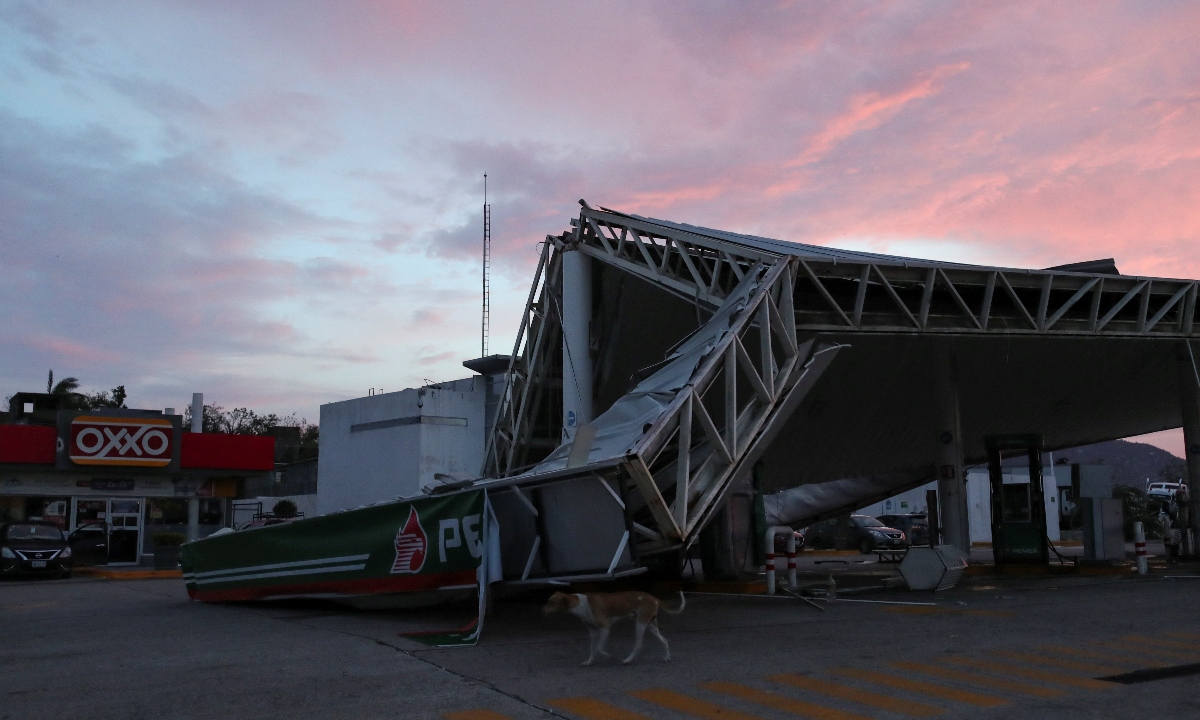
<point>286,198</point>
<point>869,110</point>
<point>109,261</point>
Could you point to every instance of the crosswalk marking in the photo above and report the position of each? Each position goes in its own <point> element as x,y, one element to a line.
<point>1114,655</point>
<point>781,702</point>
<point>475,715</point>
<point>1044,675</point>
<point>1059,663</point>
<point>1094,655</point>
<point>918,686</point>
<point>690,705</point>
<point>595,709</point>
<point>976,679</point>
<point>866,697</point>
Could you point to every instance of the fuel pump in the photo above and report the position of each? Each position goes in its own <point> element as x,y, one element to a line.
<point>1018,508</point>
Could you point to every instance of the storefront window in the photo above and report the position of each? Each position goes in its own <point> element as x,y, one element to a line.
<point>166,511</point>
<point>12,508</point>
<point>90,511</point>
<point>212,511</point>
<point>51,509</point>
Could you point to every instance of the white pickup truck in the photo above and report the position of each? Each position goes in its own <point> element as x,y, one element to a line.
<point>1165,490</point>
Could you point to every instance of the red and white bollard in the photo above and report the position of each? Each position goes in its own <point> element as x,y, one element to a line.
<point>1139,548</point>
<point>791,556</point>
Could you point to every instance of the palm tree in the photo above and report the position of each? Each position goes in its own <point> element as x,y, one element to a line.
<point>66,390</point>
<point>66,386</point>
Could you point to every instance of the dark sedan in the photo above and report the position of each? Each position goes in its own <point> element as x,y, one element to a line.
<point>855,531</point>
<point>34,546</point>
<point>914,525</point>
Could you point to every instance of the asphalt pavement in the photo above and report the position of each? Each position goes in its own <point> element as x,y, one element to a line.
<point>995,647</point>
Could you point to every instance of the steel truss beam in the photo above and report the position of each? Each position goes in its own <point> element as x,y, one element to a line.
<point>872,294</point>
<point>527,404</point>
<point>678,471</point>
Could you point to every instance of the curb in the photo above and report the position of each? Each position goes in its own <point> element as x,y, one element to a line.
<point>1047,570</point>
<point>128,574</point>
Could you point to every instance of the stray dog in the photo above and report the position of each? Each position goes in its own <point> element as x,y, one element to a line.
<point>599,611</point>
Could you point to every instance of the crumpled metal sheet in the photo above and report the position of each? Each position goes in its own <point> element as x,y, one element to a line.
<point>620,427</point>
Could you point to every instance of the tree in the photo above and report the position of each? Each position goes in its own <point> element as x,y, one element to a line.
<point>1173,472</point>
<point>65,390</point>
<point>310,436</point>
<point>1136,508</point>
<point>66,386</point>
<point>114,398</point>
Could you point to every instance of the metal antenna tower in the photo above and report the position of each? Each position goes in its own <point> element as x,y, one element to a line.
<point>487,268</point>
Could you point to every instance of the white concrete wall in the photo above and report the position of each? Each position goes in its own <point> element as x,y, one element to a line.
<point>371,465</point>
<point>909,501</point>
<point>979,507</point>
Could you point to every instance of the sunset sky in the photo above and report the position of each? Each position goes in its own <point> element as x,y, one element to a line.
<point>278,203</point>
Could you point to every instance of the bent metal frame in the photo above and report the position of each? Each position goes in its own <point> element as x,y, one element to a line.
<point>669,484</point>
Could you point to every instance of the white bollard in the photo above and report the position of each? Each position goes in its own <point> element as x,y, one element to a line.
<point>1139,548</point>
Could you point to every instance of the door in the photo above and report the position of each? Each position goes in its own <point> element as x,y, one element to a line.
<point>125,531</point>
<point>89,536</point>
<point>89,543</point>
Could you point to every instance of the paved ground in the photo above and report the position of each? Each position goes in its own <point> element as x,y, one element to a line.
<point>992,648</point>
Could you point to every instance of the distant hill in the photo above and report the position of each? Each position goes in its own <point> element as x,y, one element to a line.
<point>1132,462</point>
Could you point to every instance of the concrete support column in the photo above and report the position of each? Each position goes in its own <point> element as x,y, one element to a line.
<point>197,412</point>
<point>193,526</point>
<point>577,356</point>
<point>952,486</point>
<point>1189,385</point>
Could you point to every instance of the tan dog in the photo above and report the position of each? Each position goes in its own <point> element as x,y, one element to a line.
<point>599,611</point>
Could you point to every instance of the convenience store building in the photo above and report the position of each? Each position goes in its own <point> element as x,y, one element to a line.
<point>136,471</point>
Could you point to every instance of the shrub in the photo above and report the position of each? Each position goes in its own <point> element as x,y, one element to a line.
<point>168,539</point>
<point>284,509</point>
<point>1137,507</point>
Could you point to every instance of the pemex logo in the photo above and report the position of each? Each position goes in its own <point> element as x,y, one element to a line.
<point>411,546</point>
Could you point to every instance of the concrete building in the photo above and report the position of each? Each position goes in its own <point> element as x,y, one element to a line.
<point>128,473</point>
<point>398,444</point>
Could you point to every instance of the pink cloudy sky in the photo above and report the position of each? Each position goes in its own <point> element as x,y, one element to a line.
<point>277,203</point>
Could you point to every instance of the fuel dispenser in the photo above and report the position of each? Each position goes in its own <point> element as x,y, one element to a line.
<point>1018,508</point>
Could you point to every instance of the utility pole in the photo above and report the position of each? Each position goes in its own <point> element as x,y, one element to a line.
<point>487,268</point>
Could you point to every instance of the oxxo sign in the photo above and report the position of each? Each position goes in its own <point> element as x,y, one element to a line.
<point>123,441</point>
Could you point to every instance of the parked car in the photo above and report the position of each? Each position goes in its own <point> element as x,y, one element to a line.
<point>34,546</point>
<point>89,544</point>
<point>914,525</point>
<point>856,531</point>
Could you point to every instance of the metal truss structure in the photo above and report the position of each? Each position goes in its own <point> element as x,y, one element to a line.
<point>671,481</point>
<point>674,476</point>
<point>839,291</point>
